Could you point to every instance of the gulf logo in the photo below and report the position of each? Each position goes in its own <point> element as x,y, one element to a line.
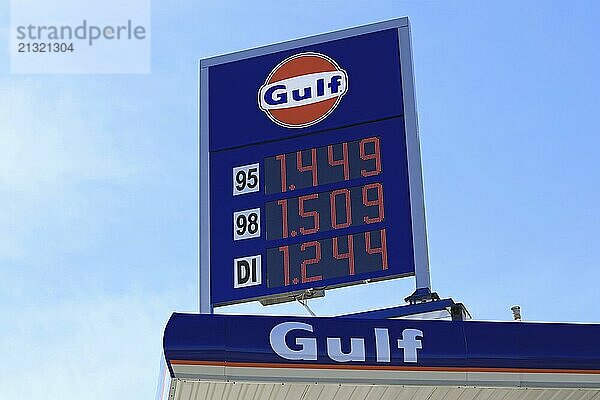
<point>303,90</point>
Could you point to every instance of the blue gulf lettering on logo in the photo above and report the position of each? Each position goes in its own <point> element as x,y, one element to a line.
<point>302,90</point>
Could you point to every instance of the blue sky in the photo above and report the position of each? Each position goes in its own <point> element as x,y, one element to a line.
<point>98,181</point>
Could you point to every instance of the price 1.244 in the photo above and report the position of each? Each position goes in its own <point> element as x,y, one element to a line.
<point>320,260</point>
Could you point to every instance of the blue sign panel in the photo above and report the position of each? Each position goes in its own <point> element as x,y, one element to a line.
<point>310,169</point>
<point>546,351</point>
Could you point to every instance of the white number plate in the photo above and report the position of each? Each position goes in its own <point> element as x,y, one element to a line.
<point>246,179</point>
<point>246,224</point>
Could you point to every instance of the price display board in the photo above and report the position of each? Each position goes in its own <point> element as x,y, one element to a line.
<point>310,174</point>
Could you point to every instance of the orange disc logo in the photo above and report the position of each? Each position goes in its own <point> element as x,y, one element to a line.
<point>303,90</point>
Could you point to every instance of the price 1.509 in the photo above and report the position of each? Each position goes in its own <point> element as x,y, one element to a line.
<point>321,212</point>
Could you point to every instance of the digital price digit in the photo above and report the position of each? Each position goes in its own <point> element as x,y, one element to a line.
<point>284,217</point>
<point>315,260</point>
<point>375,155</point>
<point>246,224</point>
<point>333,208</point>
<point>282,171</point>
<point>285,250</point>
<point>377,250</point>
<point>345,256</point>
<point>246,179</point>
<point>308,214</point>
<point>343,161</point>
<point>312,167</point>
<point>377,202</point>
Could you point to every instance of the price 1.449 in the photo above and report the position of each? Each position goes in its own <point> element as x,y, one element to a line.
<point>323,165</point>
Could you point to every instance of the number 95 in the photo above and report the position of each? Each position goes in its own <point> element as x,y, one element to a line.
<point>246,179</point>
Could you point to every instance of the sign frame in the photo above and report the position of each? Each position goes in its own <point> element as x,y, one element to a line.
<point>417,205</point>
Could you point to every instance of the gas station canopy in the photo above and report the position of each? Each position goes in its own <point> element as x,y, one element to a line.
<point>260,357</point>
